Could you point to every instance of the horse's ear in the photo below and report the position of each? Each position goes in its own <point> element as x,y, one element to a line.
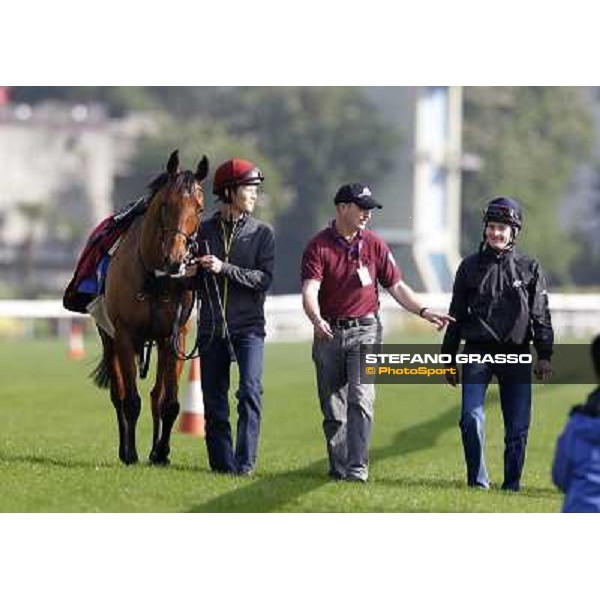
<point>202,170</point>
<point>173,164</point>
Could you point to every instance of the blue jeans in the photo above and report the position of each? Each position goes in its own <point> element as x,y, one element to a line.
<point>215,368</point>
<point>514,382</point>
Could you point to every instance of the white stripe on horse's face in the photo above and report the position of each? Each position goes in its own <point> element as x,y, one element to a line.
<point>180,214</point>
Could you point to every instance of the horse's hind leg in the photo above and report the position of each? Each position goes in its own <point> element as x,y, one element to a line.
<point>109,372</point>
<point>125,396</point>
<point>168,405</point>
<point>156,395</point>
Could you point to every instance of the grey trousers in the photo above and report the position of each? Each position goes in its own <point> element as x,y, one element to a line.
<point>346,403</point>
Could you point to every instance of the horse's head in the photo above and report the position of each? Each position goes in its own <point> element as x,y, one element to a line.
<point>179,208</point>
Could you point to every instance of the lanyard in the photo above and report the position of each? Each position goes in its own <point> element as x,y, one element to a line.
<point>227,244</point>
<point>360,245</point>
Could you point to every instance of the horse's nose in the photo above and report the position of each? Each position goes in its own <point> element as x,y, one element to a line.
<point>174,267</point>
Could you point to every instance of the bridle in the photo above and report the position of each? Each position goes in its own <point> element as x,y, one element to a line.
<point>182,316</point>
<point>191,244</point>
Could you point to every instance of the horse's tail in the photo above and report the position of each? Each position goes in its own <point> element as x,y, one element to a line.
<point>101,374</point>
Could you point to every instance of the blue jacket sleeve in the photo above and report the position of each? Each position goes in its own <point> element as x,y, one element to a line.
<point>561,468</point>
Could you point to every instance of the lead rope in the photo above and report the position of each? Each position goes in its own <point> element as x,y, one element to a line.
<point>198,349</point>
<point>227,244</point>
<point>227,247</point>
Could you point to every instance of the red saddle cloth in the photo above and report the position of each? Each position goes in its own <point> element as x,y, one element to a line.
<point>99,243</point>
<point>88,279</point>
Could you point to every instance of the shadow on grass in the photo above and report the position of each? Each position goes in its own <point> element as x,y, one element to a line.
<point>267,494</point>
<point>48,461</point>
<point>459,485</point>
<point>417,437</point>
<point>423,482</point>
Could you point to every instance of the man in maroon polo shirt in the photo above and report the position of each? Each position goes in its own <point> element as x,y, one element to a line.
<point>341,268</point>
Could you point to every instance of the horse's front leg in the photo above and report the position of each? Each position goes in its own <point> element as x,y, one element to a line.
<point>168,408</point>
<point>125,393</point>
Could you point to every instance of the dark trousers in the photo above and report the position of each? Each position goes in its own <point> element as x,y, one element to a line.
<point>216,364</point>
<point>346,403</point>
<point>514,382</point>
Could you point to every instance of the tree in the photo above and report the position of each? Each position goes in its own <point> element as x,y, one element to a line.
<point>318,138</point>
<point>194,138</point>
<point>530,140</point>
<point>314,138</point>
<point>308,140</point>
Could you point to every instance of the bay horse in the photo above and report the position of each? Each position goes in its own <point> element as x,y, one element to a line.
<point>145,294</point>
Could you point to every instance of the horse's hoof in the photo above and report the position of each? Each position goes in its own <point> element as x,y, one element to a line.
<point>158,460</point>
<point>129,459</point>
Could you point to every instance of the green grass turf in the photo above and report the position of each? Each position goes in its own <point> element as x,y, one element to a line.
<point>58,446</point>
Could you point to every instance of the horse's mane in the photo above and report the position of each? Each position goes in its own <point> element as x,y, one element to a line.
<point>184,182</point>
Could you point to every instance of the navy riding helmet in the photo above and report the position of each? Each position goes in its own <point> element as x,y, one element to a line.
<point>504,209</point>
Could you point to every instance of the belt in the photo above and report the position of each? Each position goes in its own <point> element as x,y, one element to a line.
<point>347,323</point>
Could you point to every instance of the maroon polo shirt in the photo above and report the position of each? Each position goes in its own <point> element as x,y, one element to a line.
<point>333,261</point>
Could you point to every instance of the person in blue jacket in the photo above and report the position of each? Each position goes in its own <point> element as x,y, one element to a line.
<point>576,468</point>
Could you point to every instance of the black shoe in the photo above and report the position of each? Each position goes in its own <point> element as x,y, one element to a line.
<point>515,487</point>
<point>479,486</point>
<point>355,479</point>
<point>244,473</point>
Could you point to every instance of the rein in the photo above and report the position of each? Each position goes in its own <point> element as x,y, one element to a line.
<point>152,275</point>
<point>197,349</point>
<point>190,238</point>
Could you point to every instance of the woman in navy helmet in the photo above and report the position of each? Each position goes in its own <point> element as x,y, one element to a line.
<point>237,270</point>
<point>500,304</point>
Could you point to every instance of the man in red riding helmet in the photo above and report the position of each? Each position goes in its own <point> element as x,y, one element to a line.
<point>237,270</point>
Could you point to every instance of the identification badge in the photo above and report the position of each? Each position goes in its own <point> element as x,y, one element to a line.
<point>364,276</point>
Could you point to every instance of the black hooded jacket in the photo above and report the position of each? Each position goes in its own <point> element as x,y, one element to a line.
<point>500,299</point>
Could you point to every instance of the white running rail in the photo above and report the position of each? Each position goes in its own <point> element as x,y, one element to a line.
<point>576,315</point>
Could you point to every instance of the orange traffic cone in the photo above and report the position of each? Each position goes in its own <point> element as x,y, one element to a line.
<point>76,348</point>
<point>192,415</point>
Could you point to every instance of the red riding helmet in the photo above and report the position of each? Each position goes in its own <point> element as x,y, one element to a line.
<point>234,172</point>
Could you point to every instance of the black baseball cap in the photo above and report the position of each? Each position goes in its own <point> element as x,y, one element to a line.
<point>359,194</point>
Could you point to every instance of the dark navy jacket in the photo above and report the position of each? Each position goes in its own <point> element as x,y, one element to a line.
<point>245,277</point>
<point>576,468</point>
<point>500,299</point>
